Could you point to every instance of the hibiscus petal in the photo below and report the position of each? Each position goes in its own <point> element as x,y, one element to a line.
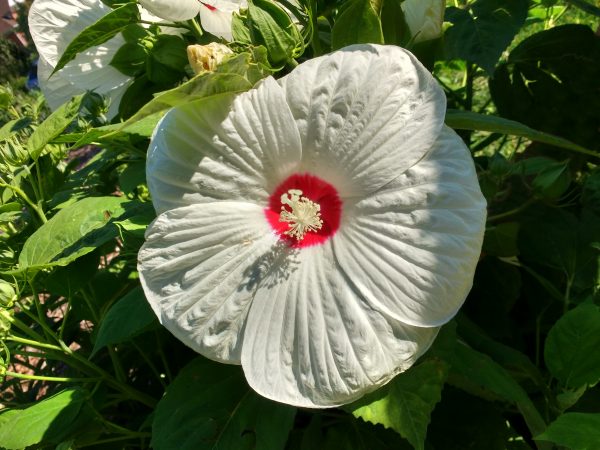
<point>216,16</point>
<point>174,10</point>
<point>424,18</point>
<point>365,114</point>
<point>411,248</point>
<point>57,90</point>
<point>311,341</point>
<point>53,26</point>
<point>224,148</point>
<point>197,269</point>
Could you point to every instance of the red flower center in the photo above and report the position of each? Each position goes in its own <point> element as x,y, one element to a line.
<point>316,190</point>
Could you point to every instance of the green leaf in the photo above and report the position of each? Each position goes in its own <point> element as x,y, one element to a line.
<point>166,61</point>
<point>478,374</point>
<point>406,403</point>
<point>170,51</point>
<point>45,421</point>
<point>74,231</point>
<point>547,81</point>
<point>130,59</point>
<point>575,431</point>
<point>128,317</point>
<point>553,181</point>
<point>468,120</point>
<point>483,30</point>
<point>345,433</point>
<point>571,351</point>
<point>100,32</point>
<point>358,23</point>
<point>237,74</point>
<point>53,126</point>
<point>271,26</point>
<point>14,126</point>
<point>210,406</point>
<point>501,240</point>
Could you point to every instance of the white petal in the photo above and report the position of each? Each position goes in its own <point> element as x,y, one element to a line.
<point>197,269</point>
<point>365,113</point>
<point>424,18</point>
<point>57,90</point>
<point>312,341</point>
<point>216,16</point>
<point>53,25</point>
<point>223,148</point>
<point>411,248</point>
<point>174,10</point>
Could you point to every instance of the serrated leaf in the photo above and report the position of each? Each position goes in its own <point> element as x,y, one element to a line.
<point>210,406</point>
<point>575,431</point>
<point>358,23</point>
<point>406,403</point>
<point>53,126</point>
<point>74,231</point>
<point>128,317</point>
<point>100,32</point>
<point>44,421</point>
<point>571,351</point>
<point>483,30</point>
<point>468,120</point>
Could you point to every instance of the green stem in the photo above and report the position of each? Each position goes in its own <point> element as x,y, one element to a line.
<point>117,367</point>
<point>32,343</point>
<point>150,364</point>
<point>315,42</point>
<point>512,212</point>
<point>20,325</point>
<point>195,28</point>
<point>25,197</point>
<point>48,378</point>
<point>117,439</point>
<point>86,366</point>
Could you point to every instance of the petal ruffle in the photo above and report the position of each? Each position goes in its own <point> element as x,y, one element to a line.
<point>365,113</point>
<point>312,341</point>
<point>411,248</point>
<point>174,10</point>
<point>198,269</point>
<point>223,148</point>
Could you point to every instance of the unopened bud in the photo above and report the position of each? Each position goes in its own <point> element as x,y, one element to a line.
<point>7,294</point>
<point>206,58</point>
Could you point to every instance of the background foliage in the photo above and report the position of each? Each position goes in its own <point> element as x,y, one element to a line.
<point>85,362</point>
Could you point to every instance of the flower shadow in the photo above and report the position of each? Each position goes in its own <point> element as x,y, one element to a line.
<point>272,268</point>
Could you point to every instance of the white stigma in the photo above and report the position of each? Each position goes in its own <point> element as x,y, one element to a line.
<point>304,216</point>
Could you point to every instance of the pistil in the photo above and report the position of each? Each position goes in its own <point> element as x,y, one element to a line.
<point>302,214</point>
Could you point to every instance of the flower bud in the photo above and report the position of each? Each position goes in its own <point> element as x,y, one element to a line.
<point>7,294</point>
<point>205,58</point>
<point>424,18</point>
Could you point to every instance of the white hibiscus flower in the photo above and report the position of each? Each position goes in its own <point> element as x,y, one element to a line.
<point>317,229</point>
<point>174,10</point>
<point>216,16</point>
<point>424,18</point>
<point>53,25</point>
